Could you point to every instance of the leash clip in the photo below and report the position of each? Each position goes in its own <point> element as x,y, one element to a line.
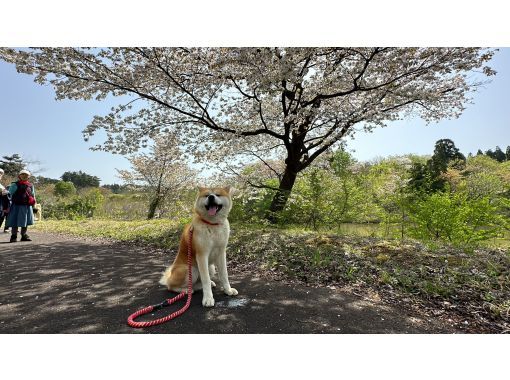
<point>160,305</point>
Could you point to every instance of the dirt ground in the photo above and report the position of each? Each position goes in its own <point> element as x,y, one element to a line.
<point>61,284</point>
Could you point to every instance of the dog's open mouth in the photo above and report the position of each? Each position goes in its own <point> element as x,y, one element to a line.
<point>213,209</point>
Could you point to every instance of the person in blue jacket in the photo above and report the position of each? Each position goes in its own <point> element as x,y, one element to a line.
<point>21,213</point>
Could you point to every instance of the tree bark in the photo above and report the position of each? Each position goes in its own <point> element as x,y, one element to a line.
<point>153,207</point>
<point>156,200</point>
<point>282,195</point>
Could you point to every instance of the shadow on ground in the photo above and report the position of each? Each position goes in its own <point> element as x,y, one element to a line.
<point>59,284</point>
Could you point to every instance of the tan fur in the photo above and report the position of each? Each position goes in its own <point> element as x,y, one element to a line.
<point>208,248</point>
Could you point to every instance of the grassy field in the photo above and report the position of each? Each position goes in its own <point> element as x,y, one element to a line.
<point>474,285</point>
<point>158,232</point>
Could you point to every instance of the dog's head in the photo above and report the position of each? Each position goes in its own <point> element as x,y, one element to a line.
<point>214,203</point>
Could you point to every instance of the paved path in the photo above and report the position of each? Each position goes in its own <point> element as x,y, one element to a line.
<point>61,284</point>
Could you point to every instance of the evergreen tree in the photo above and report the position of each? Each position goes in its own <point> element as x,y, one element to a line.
<point>445,152</point>
<point>428,177</point>
<point>420,178</point>
<point>80,179</point>
<point>507,153</point>
<point>499,155</point>
<point>479,152</point>
<point>490,154</point>
<point>12,165</point>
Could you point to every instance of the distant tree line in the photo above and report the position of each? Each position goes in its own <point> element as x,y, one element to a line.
<point>115,188</point>
<point>497,154</point>
<point>12,165</point>
<point>431,176</point>
<point>81,179</point>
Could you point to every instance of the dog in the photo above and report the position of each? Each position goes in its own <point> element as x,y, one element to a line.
<point>211,231</point>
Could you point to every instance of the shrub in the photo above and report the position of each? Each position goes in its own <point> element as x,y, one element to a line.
<point>456,219</point>
<point>77,207</point>
<point>64,189</point>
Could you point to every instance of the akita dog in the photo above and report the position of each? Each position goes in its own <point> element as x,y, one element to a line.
<point>211,231</point>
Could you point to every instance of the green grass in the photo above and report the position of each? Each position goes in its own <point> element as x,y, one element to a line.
<point>160,232</point>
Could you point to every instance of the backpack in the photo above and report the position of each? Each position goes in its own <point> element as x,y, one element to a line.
<point>23,194</point>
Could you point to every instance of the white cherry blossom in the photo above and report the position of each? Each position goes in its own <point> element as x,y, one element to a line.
<point>292,104</point>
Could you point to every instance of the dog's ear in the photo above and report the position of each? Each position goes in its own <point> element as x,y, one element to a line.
<point>230,190</point>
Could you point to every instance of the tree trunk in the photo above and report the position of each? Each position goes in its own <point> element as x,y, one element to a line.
<point>282,195</point>
<point>156,200</point>
<point>152,207</point>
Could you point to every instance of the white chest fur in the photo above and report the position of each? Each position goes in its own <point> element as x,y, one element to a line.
<point>210,239</point>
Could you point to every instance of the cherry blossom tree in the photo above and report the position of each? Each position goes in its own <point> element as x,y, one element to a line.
<point>291,104</point>
<point>160,171</point>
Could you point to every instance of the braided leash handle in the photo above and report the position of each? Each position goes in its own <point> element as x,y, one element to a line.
<point>131,320</point>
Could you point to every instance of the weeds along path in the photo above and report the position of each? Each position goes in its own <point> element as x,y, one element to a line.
<point>62,284</point>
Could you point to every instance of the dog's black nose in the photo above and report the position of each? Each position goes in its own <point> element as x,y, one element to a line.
<point>210,198</point>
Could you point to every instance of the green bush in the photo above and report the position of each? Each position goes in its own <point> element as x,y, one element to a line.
<point>64,189</point>
<point>77,207</point>
<point>251,205</point>
<point>454,218</point>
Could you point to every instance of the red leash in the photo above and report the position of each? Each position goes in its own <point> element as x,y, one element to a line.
<point>131,320</point>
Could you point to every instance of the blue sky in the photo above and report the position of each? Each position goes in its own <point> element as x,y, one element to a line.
<point>39,128</point>
<point>483,124</point>
<point>42,129</point>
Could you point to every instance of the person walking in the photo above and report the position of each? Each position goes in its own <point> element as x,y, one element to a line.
<point>5,203</point>
<point>23,199</point>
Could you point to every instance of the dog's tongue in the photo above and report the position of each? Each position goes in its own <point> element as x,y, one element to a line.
<point>212,210</point>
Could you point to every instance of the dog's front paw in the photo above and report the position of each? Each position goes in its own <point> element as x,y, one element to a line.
<point>208,301</point>
<point>231,292</point>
